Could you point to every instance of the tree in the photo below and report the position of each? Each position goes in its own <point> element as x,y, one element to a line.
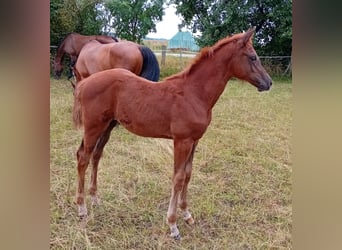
<point>134,19</point>
<point>216,19</point>
<point>81,16</point>
<point>89,20</point>
<point>62,20</point>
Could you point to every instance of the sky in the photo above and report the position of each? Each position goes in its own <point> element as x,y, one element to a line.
<point>168,27</point>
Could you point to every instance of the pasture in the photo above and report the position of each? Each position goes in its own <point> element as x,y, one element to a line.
<point>239,194</point>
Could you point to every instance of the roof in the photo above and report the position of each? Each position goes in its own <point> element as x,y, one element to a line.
<point>184,40</point>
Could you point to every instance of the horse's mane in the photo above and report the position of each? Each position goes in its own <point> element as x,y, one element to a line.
<point>205,53</point>
<point>107,36</point>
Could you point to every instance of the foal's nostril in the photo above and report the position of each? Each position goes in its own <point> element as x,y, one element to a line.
<point>270,83</point>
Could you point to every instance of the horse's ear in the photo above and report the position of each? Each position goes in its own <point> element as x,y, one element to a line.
<point>248,35</point>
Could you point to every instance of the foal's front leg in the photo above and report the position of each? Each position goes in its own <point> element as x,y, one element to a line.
<point>182,152</point>
<point>183,204</point>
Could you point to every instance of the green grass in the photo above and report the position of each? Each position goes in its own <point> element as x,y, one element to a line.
<point>239,194</point>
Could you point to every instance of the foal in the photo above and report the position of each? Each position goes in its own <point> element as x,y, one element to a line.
<point>178,108</point>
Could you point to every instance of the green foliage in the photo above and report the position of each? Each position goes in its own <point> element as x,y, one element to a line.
<point>130,19</point>
<point>134,19</point>
<point>217,19</point>
<point>89,22</point>
<point>61,21</point>
<point>79,16</point>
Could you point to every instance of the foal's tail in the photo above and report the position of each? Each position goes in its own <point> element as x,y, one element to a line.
<point>150,69</point>
<point>77,111</point>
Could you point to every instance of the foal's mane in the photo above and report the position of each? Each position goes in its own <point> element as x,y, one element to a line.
<point>206,52</point>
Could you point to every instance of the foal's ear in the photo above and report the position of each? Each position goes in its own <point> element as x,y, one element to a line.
<point>248,35</point>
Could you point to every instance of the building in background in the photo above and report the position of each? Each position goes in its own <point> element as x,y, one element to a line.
<point>183,40</point>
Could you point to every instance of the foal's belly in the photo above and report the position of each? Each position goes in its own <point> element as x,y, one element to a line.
<point>155,129</point>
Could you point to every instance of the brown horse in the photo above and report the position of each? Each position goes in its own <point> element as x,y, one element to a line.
<point>96,57</point>
<point>72,45</point>
<point>178,108</point>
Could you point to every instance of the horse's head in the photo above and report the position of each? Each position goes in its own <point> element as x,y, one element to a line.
<point>57,69</point>
<point>246,63</point>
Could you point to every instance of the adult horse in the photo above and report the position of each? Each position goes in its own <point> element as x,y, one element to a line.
<point>72,45</point>
<point>178,108</point>
<point>136,58</point>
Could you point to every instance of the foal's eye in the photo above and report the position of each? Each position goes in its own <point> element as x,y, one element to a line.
<point>253,58</point>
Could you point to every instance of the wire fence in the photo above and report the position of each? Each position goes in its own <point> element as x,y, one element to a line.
<point>275,65</point>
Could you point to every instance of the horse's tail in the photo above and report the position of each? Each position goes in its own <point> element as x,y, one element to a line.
<point>150,69</point>
<point>77,111</point>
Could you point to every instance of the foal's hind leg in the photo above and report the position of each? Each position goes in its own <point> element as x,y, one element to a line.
<point>83,156</point>
<point>101,142</point>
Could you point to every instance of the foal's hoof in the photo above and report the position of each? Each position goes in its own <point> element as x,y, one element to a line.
<point>82,211</point>
<point>82,217</point>
<point>190,221</point>
<point>95,201</point>
<point>177,237</point>
<point>83,222</point>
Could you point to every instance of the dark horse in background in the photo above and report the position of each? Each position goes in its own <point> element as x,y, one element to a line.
<point>72,45</point>
<point>96,57</point>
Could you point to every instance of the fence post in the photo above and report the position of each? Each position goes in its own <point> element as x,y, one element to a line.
<point>163,55</point>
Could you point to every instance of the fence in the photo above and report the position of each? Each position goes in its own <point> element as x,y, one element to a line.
<point>275,65</point>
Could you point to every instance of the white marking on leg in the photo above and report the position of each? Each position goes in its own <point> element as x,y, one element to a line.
<point>82,210</point>
<point>95,201</point>
<point>174,231</point>
<point>187,217</point>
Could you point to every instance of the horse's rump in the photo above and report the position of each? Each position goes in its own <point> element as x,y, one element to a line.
<point>138,59</point>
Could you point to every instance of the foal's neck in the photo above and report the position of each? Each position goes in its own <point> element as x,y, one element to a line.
<point>210,75</point>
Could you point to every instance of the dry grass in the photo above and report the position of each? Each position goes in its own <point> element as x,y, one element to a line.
<point>240,192</point>
<point>173,65</point>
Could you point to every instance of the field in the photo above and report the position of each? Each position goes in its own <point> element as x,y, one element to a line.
<point>239,194</point>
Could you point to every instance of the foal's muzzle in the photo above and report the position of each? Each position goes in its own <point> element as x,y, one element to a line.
<point>264,84</point>
<point>264,87</point>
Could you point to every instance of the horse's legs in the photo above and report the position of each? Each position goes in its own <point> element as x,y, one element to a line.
<point>183,204</point>
<point>101,142</point>
<point>182,152</point>
<point>73,60</point>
